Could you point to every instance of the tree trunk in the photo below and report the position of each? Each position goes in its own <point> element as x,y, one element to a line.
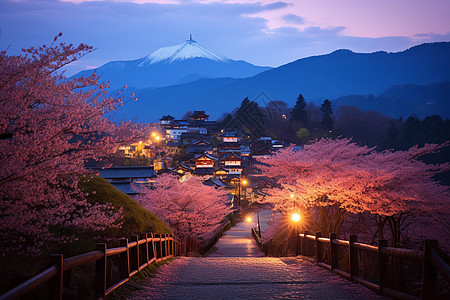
<point>381,222</point>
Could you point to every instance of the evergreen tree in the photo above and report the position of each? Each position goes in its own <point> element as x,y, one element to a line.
<point>299,112</point>
<point>327,111</point>
<point>248,118</point>
<point>244,104</point>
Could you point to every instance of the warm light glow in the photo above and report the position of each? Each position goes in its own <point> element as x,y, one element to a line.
<point>157,138</point>
<point>249,219</point>
<point>140,142</point>
<point>244,181</point>
<point>295,217</point>
<point>153,133</point>
<point>292,195</point>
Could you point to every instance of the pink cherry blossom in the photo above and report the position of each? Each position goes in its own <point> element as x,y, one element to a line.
<point>49,127</point>
<point>331,179</point>
<point>190,208</point>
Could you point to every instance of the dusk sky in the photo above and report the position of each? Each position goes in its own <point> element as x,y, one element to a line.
<point>262,32</point>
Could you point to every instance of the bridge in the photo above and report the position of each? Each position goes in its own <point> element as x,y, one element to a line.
<point>236,268</point>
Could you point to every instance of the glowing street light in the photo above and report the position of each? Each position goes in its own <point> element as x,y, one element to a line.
<point>295,217</point>
<point>249,219</point>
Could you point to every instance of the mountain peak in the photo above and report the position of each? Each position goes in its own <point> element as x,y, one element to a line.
<point>188,50</point>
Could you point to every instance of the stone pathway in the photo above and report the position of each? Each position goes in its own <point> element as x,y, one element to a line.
<point>238,270</point>
<point>238,242</point>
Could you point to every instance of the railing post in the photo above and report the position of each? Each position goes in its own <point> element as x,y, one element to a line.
<point>134,255</point>
<point>56,283</point>
<point>124,260</point>
<point>100,273</point>
<point>429,284</point>
<point>161,246</point>
<point>334,258</point>
<point>305,243</point>
<point>166,245</point>
<point>383,265</point>
<point>318,247</point>
<point>353,257</point>
<point>145,254</point>
<point>155,254</point>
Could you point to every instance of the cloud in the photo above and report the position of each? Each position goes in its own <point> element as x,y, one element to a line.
<point>125,30</point>
<point>275,5</point>
<point>294,19</point>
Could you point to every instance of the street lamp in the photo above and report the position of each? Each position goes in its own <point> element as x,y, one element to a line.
<point>258,225</point>
<point>244,183</point>
<point>296,219</point>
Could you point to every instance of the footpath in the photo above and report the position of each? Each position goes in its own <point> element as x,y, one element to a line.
<point>238,270</point>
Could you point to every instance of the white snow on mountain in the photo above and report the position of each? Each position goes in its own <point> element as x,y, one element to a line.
<point>190,49</point>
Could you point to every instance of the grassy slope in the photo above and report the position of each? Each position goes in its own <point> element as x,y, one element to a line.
<point>136,219</point>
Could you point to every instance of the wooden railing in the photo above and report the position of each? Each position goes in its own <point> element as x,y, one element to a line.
<point>380,260</point>
<point>273,249</point>
<point>197,247</point>
<point>130,258</point>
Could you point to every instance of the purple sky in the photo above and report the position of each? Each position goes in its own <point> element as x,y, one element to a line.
<point>264,32</point>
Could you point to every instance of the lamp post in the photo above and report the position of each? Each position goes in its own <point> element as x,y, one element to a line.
<point>259,225</point>
<point>244,183</point>
<point>239,192</point>
<point>296,219</point>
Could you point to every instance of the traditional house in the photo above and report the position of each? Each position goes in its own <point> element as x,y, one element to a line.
<point>228,147</point>
<point>200,146</point>
<point>204,164</point>
<point>166,120</point>
<point>233,163</point>
<point>221,172</point>
<point>230,137</point>
<point>123,178</point>
<point>183,169</point>
<point>199,115</point>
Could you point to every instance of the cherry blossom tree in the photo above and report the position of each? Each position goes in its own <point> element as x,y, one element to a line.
<point>49,128</point>
<point>399,186</point>
<point>190,208</point>
<point>338,177</point>
<point>312,180</point>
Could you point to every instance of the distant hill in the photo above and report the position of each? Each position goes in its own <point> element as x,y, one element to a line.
<point>331,76</point>
<point>405,100</point>
<point>172,65</point>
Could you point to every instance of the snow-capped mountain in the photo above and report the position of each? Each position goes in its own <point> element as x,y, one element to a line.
<point>173,65</point>
<point>190,49</point>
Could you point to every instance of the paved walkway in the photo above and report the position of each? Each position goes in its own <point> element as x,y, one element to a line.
<point>238,242</point>
<point>237,270</point>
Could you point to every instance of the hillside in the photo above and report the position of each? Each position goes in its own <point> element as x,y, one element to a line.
<point>405,100</point>
<point>331,76</point>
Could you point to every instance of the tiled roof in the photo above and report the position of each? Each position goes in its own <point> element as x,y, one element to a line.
<point>127,172</point>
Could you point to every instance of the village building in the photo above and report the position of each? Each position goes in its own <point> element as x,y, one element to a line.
<point>232,163</point>
<point>126,178</point>
<point>199,147</point>
<point>204,164</point>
